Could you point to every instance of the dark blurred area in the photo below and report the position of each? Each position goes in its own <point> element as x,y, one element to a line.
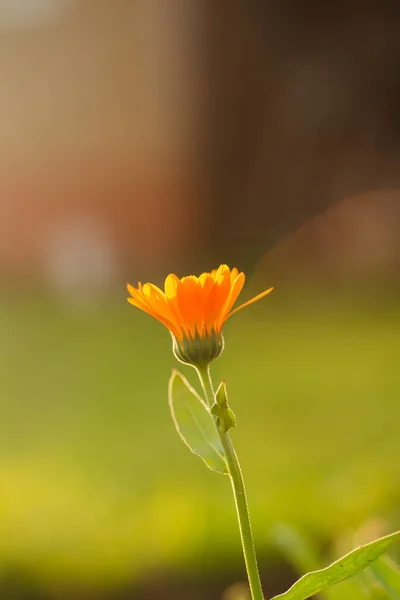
<point>148,137</point>
<point>303,100</point>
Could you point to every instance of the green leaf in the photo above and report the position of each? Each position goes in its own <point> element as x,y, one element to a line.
<point>195,424</point>
<point>351,564</point>
<point>388,574</point>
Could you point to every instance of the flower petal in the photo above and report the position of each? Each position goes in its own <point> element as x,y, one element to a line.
<point>157,316</point>
<point>235,288</point>
<point>153,301</point>
<point>193,305</point>
<point>189,302</point>
<point>171,285</point>
<point>255,299</point>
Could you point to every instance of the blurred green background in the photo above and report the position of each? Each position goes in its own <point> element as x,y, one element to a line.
<point>98,491</point>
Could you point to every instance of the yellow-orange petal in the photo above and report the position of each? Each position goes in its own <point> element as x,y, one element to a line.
<point>171,285</point>
<point>221,272</point>
<point>255,299</point>
<point>138,296</point>
<point>236,287</point>
<point>132,290</point>
<point>189,298</point>
<point>218,294</point>
<point>153,300</point>
<point>204,277</point>
<point>157,316</point>
<point>234,273</point>
<point>195,307</point>
<point>153,292</point>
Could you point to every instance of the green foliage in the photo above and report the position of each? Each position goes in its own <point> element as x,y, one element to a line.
<point>195,424</point>
<point>221,410</point>
<point>348,566</point>
<point>387,573</point>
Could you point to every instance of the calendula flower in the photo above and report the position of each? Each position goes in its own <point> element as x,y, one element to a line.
<point>194,309</point>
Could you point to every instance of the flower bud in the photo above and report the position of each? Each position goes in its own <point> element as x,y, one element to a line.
<point>198,351</point>
<point>220,409</point>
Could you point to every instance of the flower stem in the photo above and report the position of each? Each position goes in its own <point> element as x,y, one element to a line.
<point>239,493</point>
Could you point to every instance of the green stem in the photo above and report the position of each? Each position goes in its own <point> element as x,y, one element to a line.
<point>239,493</point>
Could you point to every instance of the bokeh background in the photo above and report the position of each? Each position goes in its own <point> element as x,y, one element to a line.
<point>139,138</point>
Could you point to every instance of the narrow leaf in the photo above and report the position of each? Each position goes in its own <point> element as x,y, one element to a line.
<point>194,423</point>
<point>351,564</point>
<point>388,574</point>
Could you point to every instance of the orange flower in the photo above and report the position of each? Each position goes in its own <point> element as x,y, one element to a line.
<point>194,309</point>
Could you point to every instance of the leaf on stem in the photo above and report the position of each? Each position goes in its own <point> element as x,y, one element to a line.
<point>351,564</point>
<point>195,424</point>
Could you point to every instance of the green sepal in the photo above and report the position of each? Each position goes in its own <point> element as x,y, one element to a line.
<point>199,350</point>
<point>194,423</point>
<point>221,395</point>
<point>215,410</point>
